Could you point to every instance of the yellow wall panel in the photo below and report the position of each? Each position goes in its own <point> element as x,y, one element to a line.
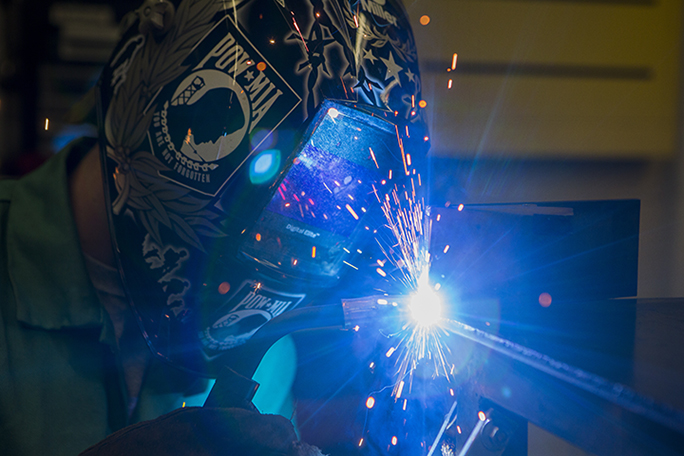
<point>552,78</point>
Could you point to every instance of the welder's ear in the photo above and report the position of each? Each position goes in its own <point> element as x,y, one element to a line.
<point>202,431</point>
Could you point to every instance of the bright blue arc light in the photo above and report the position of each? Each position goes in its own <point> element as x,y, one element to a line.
<point>264,166</point>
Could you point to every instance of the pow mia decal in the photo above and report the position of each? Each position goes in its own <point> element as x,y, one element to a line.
<point>202,131</point>
<point>251,307</point>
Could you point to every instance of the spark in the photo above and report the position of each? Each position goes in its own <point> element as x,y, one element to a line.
<point>403,152</point>
<point>344,86</point>
<point>47,123</point>
<point>545,300</point>
<point>420,338</point>
<point>408,229</point>
<point>351,211</point>
<point>294,21</point>
<point>421,334</point>
<point>400,388</point>
<point>373,156</point>
<point>224,288</point>
<point>454,60</point>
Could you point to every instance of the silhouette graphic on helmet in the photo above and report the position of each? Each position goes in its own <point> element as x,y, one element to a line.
<point>211,114</point>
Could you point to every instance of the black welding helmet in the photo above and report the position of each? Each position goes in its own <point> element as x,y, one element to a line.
<point>244,144</point>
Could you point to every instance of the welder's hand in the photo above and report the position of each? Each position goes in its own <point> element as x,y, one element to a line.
<point>201,431</point>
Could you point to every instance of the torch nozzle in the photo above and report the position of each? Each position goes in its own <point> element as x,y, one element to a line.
<point>359,311</point>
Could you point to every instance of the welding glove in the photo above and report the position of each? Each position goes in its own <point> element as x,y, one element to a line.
<point>202,431</point>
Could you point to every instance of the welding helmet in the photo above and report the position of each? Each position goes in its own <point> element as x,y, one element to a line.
<point>243,143</point>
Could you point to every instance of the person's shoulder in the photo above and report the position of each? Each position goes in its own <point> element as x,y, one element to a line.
<point>6,187</point>
<point>50,178</point>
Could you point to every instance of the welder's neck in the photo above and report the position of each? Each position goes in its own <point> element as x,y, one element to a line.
<point>90,215</point>
<point>86,192</point>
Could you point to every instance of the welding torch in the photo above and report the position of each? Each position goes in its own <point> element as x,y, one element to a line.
<point>234,386</point>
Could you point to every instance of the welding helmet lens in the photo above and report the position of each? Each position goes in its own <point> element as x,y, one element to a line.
<point>327,199</point>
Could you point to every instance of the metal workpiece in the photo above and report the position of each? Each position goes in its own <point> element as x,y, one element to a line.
<point>591,412</point>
